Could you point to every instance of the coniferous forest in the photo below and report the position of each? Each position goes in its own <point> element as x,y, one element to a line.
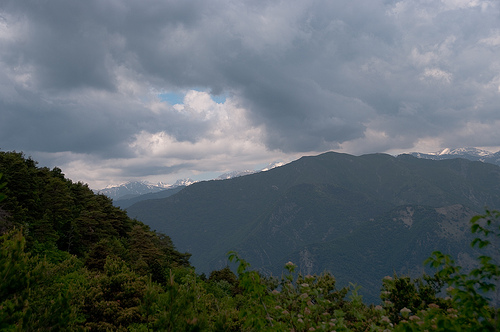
<point>71,261</point>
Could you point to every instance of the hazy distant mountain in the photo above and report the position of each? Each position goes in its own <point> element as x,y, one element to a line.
<point>126,202</point>
<point>136,188</point>
<point>182,182</point>
<point>128,193</point>
<point>359,217</point>
<point>466,153</point>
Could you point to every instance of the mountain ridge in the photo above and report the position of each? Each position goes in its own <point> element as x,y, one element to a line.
<point>469,153</point>
<point>131,192</point>
<point>132,189</point>
<point>315,202</point>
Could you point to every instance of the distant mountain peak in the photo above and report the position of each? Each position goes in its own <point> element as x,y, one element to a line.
<point>132,184</point>
<point>469,153</point>
<point>135,188</point>
<point>132,189</point>
<point>464,151</point>
<point>182,182</point>
<point>234,174</point>
<point>442,152</point>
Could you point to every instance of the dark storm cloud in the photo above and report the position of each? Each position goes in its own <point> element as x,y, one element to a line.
<point>315,75</point>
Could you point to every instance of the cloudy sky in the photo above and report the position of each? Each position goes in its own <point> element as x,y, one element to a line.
<point>158,90</point>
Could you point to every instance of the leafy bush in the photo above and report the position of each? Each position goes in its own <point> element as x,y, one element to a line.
<point>473,296</point>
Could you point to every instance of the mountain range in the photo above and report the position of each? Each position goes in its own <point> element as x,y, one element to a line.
<point>474,154</point>
<point>360,217</point>
<point>125,202</point>
<point>131,192</point>
<point>134,189</point>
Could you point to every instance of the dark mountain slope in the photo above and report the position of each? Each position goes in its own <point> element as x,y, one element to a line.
<point>317,201</point>
<point>397,241</point>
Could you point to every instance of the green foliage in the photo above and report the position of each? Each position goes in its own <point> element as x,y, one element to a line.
<point>113,298</point>
<point>255,313</point>
<point>15,279</point>
<point>302,303</point>
<point>154,253</point>
<point>176,307</point>
<point>33,292</point>
<point>58,216</point>
<point>224,281</point>
<point>472,302</point>
<point>45,220</point>
<point>2,185</point>
<point>402,293</point>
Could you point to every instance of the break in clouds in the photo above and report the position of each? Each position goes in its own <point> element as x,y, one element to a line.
<point>112,91</point>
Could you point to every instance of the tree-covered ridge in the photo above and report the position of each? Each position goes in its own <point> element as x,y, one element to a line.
<point>71,261</point>
<point>58,216</point>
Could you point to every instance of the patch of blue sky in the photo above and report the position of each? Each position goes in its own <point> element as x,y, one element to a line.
<point>171,97</point>
<point>219,99</point>
<point>178,98</point>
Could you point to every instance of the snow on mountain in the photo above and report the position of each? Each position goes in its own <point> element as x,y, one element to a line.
<point>473,154</point>
<point>443,152</point>
<point>182,182</point>
<point>135,188</point>
<point>464,151</point>
<point>272,165</point>
<point>235,174</point>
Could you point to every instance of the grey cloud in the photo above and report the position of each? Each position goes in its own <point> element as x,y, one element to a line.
<point>87,124</point>
<point>314,74</point>
<point>63,43</point>
<point>141,170</point>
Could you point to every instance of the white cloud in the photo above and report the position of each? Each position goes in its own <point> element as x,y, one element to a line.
<point>12,29</point>
<point>492,40</point>
<point>461,4</point>
<point>437,74</point>
<point>230,132</point>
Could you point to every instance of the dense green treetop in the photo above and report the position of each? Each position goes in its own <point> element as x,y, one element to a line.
<point>56,215</point>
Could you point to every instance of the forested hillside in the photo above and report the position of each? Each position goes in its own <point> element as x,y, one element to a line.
<point>69,254</point>
<point>71,261</point>
<point>359,217</point>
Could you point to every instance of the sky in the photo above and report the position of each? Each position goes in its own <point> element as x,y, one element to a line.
<point>158,90</point>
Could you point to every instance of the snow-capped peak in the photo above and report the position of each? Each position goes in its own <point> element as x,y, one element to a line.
<point>131,184</point>
<point>473,154</point>
<point>442,152</point>
<point>272,165</point>
<point>183,182</point>
<point>234,174</point>
<point>463,151</point>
